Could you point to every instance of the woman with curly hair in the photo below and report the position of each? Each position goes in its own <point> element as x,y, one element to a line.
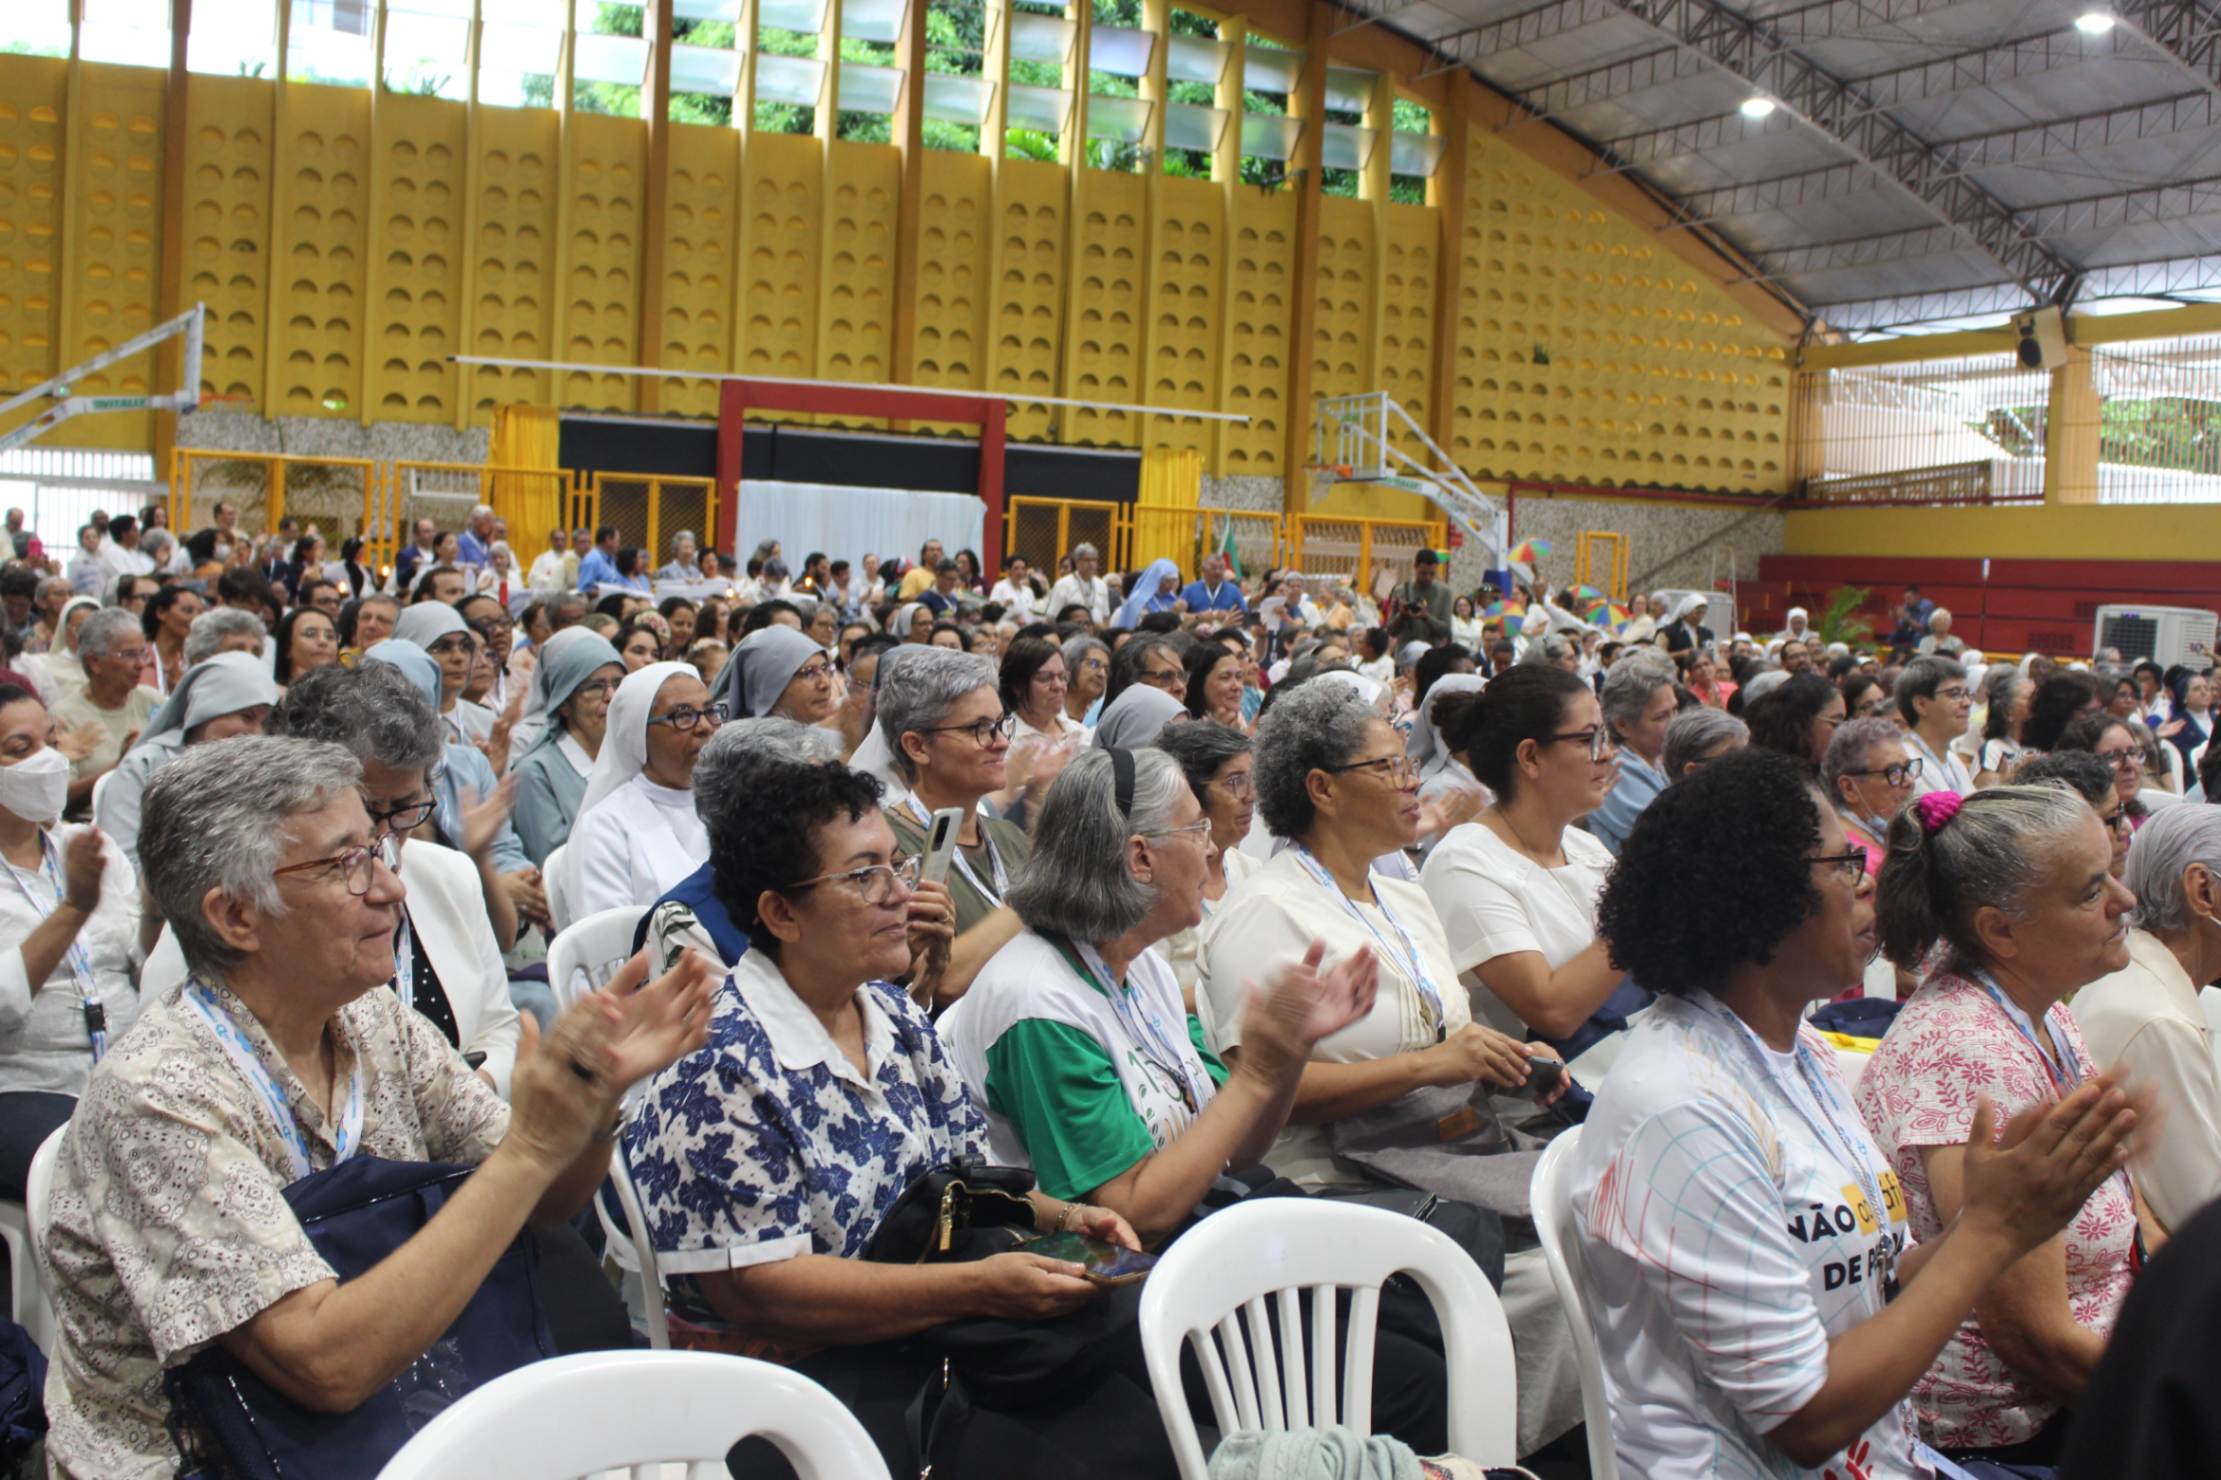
<point>1743,1234</point>
<point>1797,718</point>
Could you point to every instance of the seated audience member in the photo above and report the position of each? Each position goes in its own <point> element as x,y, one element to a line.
<point>2092,780</point>
<point>60,671</point>
<point>2016,883</point>
<point>366,623</point>
<point>306,641</point>
<point>1087,661</point>
<point>2120,743</point>
<point>112,650</point>
<point>1733,1339</point>
<point>640,642</point>
<point>69,978</point>
<point>1697,737</point>
<point>1866,697</point>
<point>1449,793</point>
<point>1639,703</point>
<point>447,960</point>
<point>779,671</point>
<point>1220,769</point>
<point>767,1160</point>
<point>2189,722</point>
<point>571,687</point>
<point>2010,696</point>
<point>1215,684</point>
<point>942,720</point>
<point>1868,776</point>
<point>1136,717</point>
<point>224,630</point>
<point>1335,786</point>
<point>1934,702</point>
<point>165,620</point>
<point>440,630</point>
<point>852,723</point>
<point>1516,888</point>
<point>1797,718</point>
<point>637,833</point>
<point>2055,703</point>
<point>285,1054</point>
<point>230,694</point>
<point>1034,681</point>
<point>2145,1022</point>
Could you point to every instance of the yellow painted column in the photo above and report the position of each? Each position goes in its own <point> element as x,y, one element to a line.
<point>169,360</point>
<point>994,143</point>
<point>1072,153</point>
<point>2071,432</point>
<point>1309,104</point>
<point>909,137</point>
<point>1156,19</point>
<point>464,388</point>
<point>374,272</point>
<point>1226,174</point>
<point>1446,192</point>
<point>744,119</point>
<point>655,202</point>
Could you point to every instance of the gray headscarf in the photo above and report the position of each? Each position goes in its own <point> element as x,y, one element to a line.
<point>760,669</point>
<point>1135,718</point>
<point>416,665</point>
<point>568,659</point>
<point>427,622</point>
<point>210,689</point>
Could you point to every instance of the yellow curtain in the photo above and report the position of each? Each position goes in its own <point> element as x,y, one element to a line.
<point>1168,523</point>
<point>527,437</point>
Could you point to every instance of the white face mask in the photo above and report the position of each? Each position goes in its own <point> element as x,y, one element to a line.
<point>36,788</point>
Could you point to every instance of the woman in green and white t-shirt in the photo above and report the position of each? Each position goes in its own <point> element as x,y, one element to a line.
<point>1074,1037</point>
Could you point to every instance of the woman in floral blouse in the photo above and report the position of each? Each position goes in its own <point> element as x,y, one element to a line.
<point>2016,882</point>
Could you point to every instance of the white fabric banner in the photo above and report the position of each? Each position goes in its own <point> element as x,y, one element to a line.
<point>848,522</point>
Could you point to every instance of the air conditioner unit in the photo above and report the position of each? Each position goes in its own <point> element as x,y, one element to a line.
<point>2168,635</point>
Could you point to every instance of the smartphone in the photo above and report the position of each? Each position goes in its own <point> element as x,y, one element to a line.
<point>1543,1074</point>
<point>940,844</point>
<point>1101,1262</point>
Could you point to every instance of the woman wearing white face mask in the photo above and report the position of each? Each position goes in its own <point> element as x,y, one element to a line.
<point>67,980</point>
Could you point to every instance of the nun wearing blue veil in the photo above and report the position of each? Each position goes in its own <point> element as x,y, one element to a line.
<point>1156,589</point>
<point>464,768</point>
<point>571,687</point>
<point>215,699</point>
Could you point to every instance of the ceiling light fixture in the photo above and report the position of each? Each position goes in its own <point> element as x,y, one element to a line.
<point>2094,22</point>
<point>1758,106</point>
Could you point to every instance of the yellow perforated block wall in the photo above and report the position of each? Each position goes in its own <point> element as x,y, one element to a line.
<point>952,269</point>
<point>1257,369</point>
<point>112,268</point>
<point>864,184</point>
<point>228,157</point>
<point>416,320</point>
<point>323,196</point>
<point>779,209</point>
<point>513,276</point>
<point>1404,359</point>
<point>31,94</point>
<point>698,256</point>
<point>1028,293</point>
<point>601,256</point>
<point>1108,244</point>
<point>1589,353</point>
<point>1186,311</point>
<point>1342,329</point>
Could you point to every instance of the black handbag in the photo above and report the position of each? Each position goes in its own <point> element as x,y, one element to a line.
<point>958,1211</point>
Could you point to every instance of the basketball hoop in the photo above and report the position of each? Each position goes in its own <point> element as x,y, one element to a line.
<point>1324,476</point>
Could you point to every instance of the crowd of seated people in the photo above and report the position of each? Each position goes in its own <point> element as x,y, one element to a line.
<point>1291,885</point>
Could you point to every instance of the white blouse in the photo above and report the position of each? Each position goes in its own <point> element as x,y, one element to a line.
<point>636,842</point>
<point>44,1044</point>
<point>1495,901</point>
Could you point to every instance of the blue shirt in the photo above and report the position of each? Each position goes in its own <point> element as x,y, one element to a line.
<point>1228,597</point>
<point>596,569</point>
<point>473,549</point>
<point>1638,786</point>
<point>697,894</point>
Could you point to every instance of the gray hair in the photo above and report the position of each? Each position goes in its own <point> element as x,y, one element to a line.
<point>1076,883</point>
<point>1995,851</point>
<point>1085,549</point>
<point>211,627</point>
<point>1076,648</point>
<point>1853,743</point>
<point>1696,733</point>
<point>1201,750</point>
<point>1313,728</point>
<point>374,710</point>
<point>1549,648</point>
<point>215,817</point>
<point>103,629</point>
<point>1762,684</point>
<point>51,585</point>
<point>919,685</point>
<point>152,542</point>
<point>688,536</point>
<point>1631,683</point>
<point>725,771</point>
<point>2172,840</point>
<point>1920,680</point>
<point>485,510</point>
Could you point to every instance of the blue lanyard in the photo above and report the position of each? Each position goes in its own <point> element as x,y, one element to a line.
<point>1409,961</point>
<point>248,1061</point>
<point>1147,1031</point>
<point>80,960</point>
<point>2065,1071</point>
<point>404,964</point>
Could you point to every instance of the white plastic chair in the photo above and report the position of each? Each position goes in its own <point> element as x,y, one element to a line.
<point>634,1236</point>
<point>1552,1197</point>
<point>635,1411</point>
<point>551,881</point>
<point>1224,1275</point>
<point>588,952</point>
<point>23,1230</point>
<point>2209,1001</point>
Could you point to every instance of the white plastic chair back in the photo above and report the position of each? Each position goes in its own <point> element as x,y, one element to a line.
<point>586,954</point>
<point>2209,999</point>
<point>38,1184</point>
<point>633,1238</point>
<point>551,880</point>
<point>639,1411</point>
<point>1217,1285</point>
<point>100,789</point>
<point>23,1230</point>
<point>1552,1197</point>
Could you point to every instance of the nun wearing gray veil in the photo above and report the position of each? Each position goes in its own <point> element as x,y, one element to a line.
<point>217,698</point>
<point>778,671</point>
<point>463,768</point>
<point>571,686</point>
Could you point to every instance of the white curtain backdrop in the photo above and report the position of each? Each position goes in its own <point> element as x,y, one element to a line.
<point>848,522</point>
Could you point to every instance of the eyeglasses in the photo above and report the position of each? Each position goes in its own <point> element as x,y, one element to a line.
<point>1200,827</point>
<point>1897,773</point>
<point>817,670</point>
<point>357,865</point>
<point>2128,761</point>
<point>686,717</point>
<point>2122,821</point>
<point>405,818</point>
<point>1951,695</point>
<point>1171,680</point>
<point>1875,708</point>
<point>452,645</point>
<point>1850,864</point>
<point>1398,769</point>
<point>492,627</point>
<point>1239,786</point>
<point>596,687</point>
<point>983,731</point>
<point>1598,740</point>
<point>875,883</point>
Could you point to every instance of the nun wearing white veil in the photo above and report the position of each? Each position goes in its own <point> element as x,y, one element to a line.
<point>1442,776</point>
<point>637,832</point>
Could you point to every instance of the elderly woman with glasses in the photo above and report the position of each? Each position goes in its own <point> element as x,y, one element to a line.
<point>779,671</point>
<point>1516,888</point>
<point>1087,661</point>
<point>1639,702</point>
<point>1868,776</point>
<point>1697,737</point>
<point>1220,768</point>
<point>2145,1020</point>
<point>1034,680</point>
<point>637,833</point>
<point>2016,882</point>
<point>1752,1283</point>
<point>2121,744</point>
<point>286,1053</point>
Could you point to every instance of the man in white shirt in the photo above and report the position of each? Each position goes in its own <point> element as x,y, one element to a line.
<point>119,553</point>
<point>1015,591</point>
<point>546,576</point>
<point>1084,587</point>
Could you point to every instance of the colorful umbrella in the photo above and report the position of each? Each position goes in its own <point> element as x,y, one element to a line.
<point>1528,552</point>
<point>1609,615</point>
<point>1589,594</point>
<point>1501,608</point>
